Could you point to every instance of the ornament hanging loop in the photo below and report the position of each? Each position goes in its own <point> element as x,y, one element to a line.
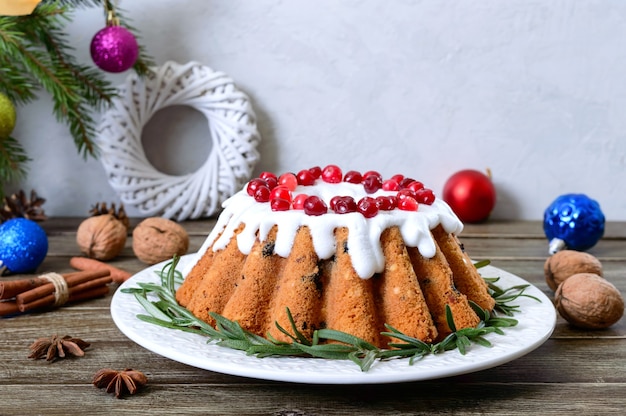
<point>111,18</point>
<point>555,245</point>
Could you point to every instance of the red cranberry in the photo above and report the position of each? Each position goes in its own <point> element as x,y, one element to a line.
<point>345,205</point>
<point>372,183</point>
<point>316,171</point>
<point>425,196</point>
<point>281,192</point>
<point>298,201</point>
<point>391,185</point>
<point>265,175</point>
<point>253,185</point>
<point>405,182</point>
<point>262,194</point>
<point>279,204</point>
<point>305,177</point>
<point>332,174</point>
<point>415,186</point>
<point>333,201</point>
<point>289,180</point>
<point>398,178</point>
<point>407,204</point>
<point>373,173</point>
<point>313,205</point>
<point>386,202</point>
<point>403,193</point>
<point>353,177</point>
<point>367,207</point>
<point>271,182</point>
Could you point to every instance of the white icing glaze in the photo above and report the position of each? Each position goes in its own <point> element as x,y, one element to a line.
<point>363,233</point>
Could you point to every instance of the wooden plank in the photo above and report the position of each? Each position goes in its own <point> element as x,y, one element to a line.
<point>444,397</point>
<point>576,371</point>
<point>596,359</point>
<point>489,229</point>
<point>62,245</point>
<point>69,225</point>
<point>534,249</point>
<point>501,242</point>
<point>530,229</point>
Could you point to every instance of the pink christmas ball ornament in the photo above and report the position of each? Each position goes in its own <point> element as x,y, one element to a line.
<point>114,49</point>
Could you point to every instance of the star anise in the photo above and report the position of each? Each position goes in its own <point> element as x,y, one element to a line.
<point>55,346</point>
<point>120,382</point>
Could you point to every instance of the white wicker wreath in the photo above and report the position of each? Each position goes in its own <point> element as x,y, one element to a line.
<point>233,132</point>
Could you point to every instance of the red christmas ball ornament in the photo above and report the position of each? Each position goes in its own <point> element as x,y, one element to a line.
<point>114,49</point>
<point>470,194</point>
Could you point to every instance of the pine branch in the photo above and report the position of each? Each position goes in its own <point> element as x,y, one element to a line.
<point>35,54</point>
<point>95,89</point>
<point>69,105</point>
<point>15,82</point>
<point>18,87</point>
<point>12,160</point>
<point>43,52</point>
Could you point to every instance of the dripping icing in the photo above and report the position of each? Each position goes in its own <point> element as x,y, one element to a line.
<point>363,234</point>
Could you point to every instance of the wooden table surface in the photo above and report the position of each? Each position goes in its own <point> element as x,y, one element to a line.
<point>575,371</point>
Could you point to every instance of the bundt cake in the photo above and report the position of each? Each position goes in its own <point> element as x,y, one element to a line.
<point>349,252</point>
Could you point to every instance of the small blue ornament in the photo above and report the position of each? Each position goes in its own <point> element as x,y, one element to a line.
<point>23,246</point>
<point>573,221</point>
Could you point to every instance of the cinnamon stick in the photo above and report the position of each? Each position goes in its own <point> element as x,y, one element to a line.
<point>85,263</point>
<point>48,300</point>
<point>72,279</point>
<point>89,294</point>
<point>10,288</point>
<point>102,281</point>
<point>8,308</point>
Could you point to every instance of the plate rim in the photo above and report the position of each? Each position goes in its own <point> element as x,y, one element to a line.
<point>243,365</point>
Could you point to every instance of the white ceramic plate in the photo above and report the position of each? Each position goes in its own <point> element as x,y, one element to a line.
<point>536,323</point>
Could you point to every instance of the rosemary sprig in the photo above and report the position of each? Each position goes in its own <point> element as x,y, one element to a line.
<point>504,297</point>
<point>163,310</point>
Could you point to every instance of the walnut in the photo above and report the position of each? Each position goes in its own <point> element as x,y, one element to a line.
<point>589,301</point>
<point>158,239</point>
<point>102,237</point>
<point>566,263</point>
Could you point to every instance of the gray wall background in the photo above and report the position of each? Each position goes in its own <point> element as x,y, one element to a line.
<point>533,90</point>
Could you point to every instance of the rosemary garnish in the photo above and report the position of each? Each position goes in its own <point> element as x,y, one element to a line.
<point>166,312</point>
<point>504,297</point>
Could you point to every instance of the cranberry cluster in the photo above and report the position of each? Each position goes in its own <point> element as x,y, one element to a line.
<point>278,191</point>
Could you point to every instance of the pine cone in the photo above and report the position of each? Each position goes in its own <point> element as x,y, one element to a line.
<point>102,209</point>
<point>18,205</point>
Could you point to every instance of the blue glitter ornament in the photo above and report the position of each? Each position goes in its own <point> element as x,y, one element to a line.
<point>23,246</point>
<point>573,221</point>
